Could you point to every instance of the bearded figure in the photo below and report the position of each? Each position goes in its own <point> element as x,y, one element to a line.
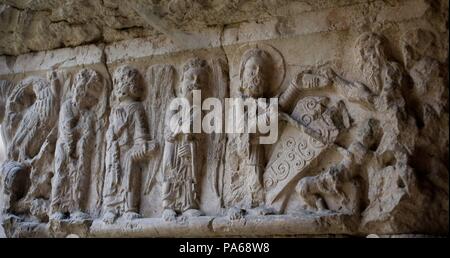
<point>381,76</point>
<point>245,156</point>
<point>384,79</point>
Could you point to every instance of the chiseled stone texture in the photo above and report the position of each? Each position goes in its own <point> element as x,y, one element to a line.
<point>85,88</point>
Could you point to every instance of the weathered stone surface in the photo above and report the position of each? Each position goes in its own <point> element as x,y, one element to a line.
<point>91,150</point>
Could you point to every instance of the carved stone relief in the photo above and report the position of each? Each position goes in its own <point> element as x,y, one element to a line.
<point>128,144</point>
<point>75,146</point>
<point>245,158</point>
<point>30,115</point>
<point>182,155</point>
<point>91,148</point>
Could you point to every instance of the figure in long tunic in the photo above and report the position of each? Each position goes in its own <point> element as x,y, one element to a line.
<point>181,155</point>
<point>245,155</point>
<point>128,144</point>
<point>74,148</point>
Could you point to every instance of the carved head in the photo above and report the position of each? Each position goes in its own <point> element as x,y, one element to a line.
<point>416,44</point>
<point>195,76</point>
<point>254,72</point>
<point>127,83</point>
<point>370,57</point>
<point>87,88</point>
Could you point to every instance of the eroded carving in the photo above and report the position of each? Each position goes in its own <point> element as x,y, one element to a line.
<point>339,188</point>
<point>245,157</point>
<point>75,146</point>
<point>29,126</point>
<point>364,153</point>
<point>128,144</point>
<point>182,157</point>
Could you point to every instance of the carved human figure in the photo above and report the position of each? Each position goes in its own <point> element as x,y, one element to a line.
<point>245,156</point>
<point>385,79</point>
<point>74,147</point>
<point>381,92</point>
<point>182,158</point>
<point>127,144</point>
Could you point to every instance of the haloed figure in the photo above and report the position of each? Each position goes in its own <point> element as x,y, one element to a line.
<point>128,144</point>
<point>181,156</point>
<point>245,156</point>
<point>74,148</point>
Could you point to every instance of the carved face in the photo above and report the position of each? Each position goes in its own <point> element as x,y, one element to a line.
<point>86,95</point>
<point>193,79</point>
<point>127,84</point>
<point>253,77</point>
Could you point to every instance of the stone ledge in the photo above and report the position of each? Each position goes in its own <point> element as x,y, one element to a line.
<point>332,19</point>
<point>52,59</point>
<point>250,226</point>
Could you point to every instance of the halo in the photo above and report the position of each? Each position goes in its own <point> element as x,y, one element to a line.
<point>279,71</point>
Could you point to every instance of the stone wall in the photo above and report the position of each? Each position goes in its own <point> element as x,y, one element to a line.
<point>362,119</point>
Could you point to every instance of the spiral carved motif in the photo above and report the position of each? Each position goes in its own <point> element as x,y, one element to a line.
<point>282,170</point>
<point>310,104</point>
<point>306,119</point>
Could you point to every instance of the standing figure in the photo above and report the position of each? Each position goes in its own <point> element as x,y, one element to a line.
<point>74,147</point>
<point>128,144</point>
<point>245,156</point>
<point>181,156</point>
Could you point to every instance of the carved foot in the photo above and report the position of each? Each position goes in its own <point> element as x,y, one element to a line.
<point>80,216</point>
<point>235,213</point>
<point>193,213</point>
<point>261,211</point>
<point>109,217</point>
<point>131,215</point>
<point>321,205</point>
<point>169,215</point>
<point>56,216</point>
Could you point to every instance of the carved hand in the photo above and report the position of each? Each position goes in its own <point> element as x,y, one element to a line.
<point>311,81</point>
<point>138,153</point>
<point>171,137</point>
<point>152,146</point>
<point>53,78</point>
<point>144,150</point>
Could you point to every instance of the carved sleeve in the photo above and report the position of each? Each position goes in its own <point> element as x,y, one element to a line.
<point>141,131</point>
<point>66,123</point>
